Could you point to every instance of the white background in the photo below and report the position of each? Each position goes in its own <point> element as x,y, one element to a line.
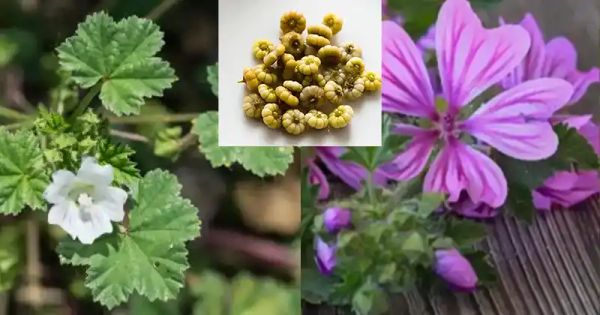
<point>242,22</point>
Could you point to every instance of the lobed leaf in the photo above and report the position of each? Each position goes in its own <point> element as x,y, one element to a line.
<point>261,161</point>
<point>120,58</point>
<point>22,172</point>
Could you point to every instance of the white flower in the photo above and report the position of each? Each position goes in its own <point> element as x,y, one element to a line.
<point>85,204</point>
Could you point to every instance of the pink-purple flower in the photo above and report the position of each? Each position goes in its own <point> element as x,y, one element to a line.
<point>336,219</point>
<point>558,59</point>
<point>455,269</point>
<point>471,59</point>
<point>325,258</point>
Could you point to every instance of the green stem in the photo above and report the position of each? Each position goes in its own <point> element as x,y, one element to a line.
<point>12,114</point>
<point>369,185</point>
<point>87,99</point>
<point>161,9</point>
<point>152,119</point>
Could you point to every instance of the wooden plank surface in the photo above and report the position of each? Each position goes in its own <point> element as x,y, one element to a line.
<point>553,265</point>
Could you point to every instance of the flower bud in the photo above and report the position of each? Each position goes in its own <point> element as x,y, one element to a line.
<point>336,219</point>
<point>324,257</point>
<point>455,269</point>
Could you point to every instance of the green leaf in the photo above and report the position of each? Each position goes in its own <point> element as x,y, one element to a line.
<point>429,202</point>
<point>8,49</point>
<point>150,257</point>
<point>414,243</point>
<point>119,57</point>
<point>261,161</point>
<point>466,232</point>
<point>370,300</point>
<point>486,273</point>
<point>213,78</point>
<point>22,172</point>
<point>119,157</point>
<point>524,176</point>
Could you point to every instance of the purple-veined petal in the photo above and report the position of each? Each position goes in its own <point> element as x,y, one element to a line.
<point>532,65</point>
<point>349,172</point>
<point>406,85</point>
<point>573,121</point>
<point>581,81</point>
<point>591,132</point>
<point>411,162</point>
<point>566,189</point>
<point>471,58</point>
<point>515,122</point>
<point>459,167</point>
<point>561,62</point>
<point>316,177</point>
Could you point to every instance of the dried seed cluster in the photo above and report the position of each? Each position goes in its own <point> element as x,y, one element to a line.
<point>298,77</point>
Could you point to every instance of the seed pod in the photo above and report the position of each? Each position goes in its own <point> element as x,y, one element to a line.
<point>330,55</point>
<point>286,96</point>
<point>341,116</point>
<point>316,119</point>
<point>292,21</point>
<point>336,75</point>
<point>261,48</point>
<point>372,81</point>
<point>293,121</point>
<point>293,86</point>
<point>312,96</point>
<point>271,115</point>
<point>253,105</point>
<point>250,79</point>
<point>321,30</point>
<point>317,41</point>
<point>267,93</point>
<point>355,66</point>
<point>308,65</point>
<point>265,74</point>
<point>288,63</point>
<point>334,93</point>
<point>315,79</point>
<point>334,22</point>
<point>294,43</point>
<point>271,57</point>
<point>354,90</point>
<point>351,50</point>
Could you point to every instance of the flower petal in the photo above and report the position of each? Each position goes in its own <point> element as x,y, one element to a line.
<point>455,269</point>
<point>566,189</point>
<point>459,167</point>
<point>94,173</point>
<point>316,177</point>
<point>349,172</point>
<point>561,62</point>
<point>406,85</point>
<point>58,190</point>
<point>471,58</point>
<point>531,67</point>
<point>515,122</point>
<point>112,203</point>
<point>411,162</point>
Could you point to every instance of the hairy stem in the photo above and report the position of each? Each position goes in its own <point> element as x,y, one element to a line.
<point>161,9</point>
<point>152,119</point>
<point>87,99</point>
<point>129,136</point>
<point>369,185</point>
<point>12,114</point>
